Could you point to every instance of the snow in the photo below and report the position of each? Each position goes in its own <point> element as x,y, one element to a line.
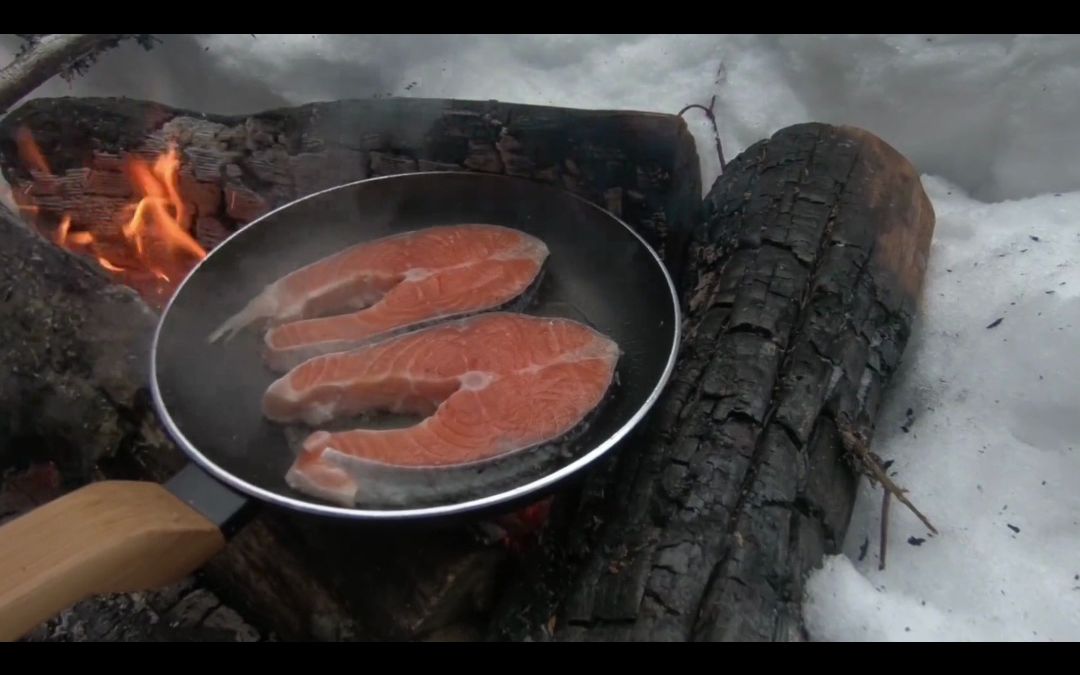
<point>993,454</point>
<point>990,123</point>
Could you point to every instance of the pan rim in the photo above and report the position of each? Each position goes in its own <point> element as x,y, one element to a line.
<point>488,501</point>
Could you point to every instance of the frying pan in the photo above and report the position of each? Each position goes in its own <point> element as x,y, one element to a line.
<point>122,536</point>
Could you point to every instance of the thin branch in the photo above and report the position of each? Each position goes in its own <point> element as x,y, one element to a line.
<point>857,446</point>
<point>712,120</point>
<point>884,527</point>
<point>65,54</point>
<point>46,58</point>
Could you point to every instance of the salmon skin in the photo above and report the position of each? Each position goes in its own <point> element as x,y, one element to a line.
<point>491,384</point>
<point>381,287</point>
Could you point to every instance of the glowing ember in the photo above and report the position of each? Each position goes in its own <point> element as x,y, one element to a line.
<point>154,249</point>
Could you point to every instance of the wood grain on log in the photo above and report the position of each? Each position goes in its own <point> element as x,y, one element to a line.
<point>805,277</point>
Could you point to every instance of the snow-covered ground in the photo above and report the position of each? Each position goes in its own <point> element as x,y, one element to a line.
<point>992,122</point>
<point>993,455</point>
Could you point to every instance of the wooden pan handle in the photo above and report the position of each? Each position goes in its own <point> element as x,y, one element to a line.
<point>108,537</point>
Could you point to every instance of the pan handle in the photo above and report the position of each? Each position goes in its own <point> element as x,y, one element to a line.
<point>107,537</point>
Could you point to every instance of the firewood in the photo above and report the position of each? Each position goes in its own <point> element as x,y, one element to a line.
<point>800,277</point>
<point>806,274</point>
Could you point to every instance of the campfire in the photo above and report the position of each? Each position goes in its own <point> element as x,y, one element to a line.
<point>799,276</point>
<point>145,236</point>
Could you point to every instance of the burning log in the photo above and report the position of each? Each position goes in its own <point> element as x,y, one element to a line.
<point>109,161</point>
<point>800,283</point>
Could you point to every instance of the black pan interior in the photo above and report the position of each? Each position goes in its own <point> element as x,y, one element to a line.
<point>599,272</point>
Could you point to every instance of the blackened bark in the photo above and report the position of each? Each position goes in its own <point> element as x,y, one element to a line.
<point>804,280</point>
<point>641,166</point>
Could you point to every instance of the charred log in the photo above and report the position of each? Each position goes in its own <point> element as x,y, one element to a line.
<point>74,347</point>
<point>185,612</point>
<point>73,395</point>
<point>806,274</point>
<point>66,156</point>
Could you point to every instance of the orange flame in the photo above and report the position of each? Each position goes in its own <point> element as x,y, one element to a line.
<point>161,218</point>
<point>29,152</point>
<point>62,231</point>
<point>158,234</point>
<point>109,266</point>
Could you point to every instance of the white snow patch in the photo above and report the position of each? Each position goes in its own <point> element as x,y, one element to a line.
<point>993,453</point>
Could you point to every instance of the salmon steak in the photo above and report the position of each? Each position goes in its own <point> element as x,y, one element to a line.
<point>381,287</point>
<point>489,385</point>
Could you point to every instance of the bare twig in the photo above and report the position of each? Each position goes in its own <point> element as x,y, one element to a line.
<point>66,54</point>
<point>885,498</point>
<point>712,120</point>
<point>856,445</point>
<point>46,58</point>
